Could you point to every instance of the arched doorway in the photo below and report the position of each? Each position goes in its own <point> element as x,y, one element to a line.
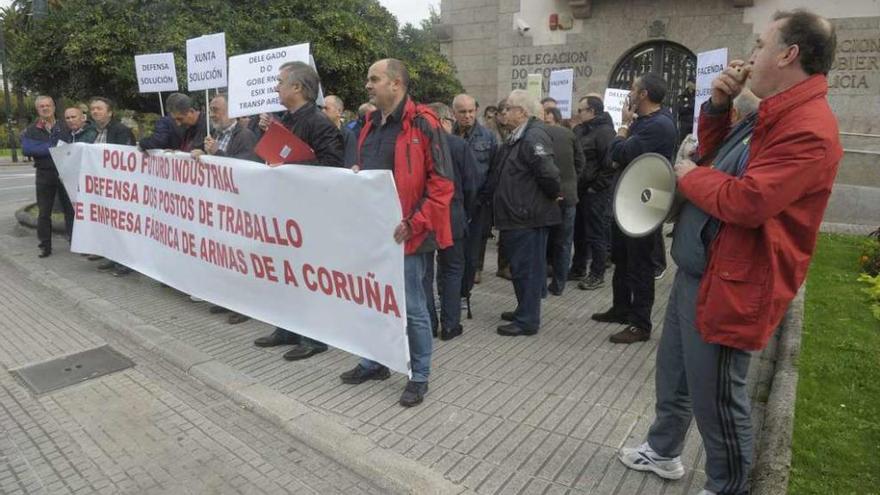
<point>675,63</point>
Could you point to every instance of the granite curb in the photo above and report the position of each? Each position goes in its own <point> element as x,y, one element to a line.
<point>386,469</point>
<point>773,465</point>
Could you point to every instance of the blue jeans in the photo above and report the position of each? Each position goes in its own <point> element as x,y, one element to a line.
<point>561,238</point>
<point>450,269</point>
<point>418,323</point>
<point>527,251</point>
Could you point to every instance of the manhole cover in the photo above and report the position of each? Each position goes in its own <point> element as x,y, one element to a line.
<point>69,370</point>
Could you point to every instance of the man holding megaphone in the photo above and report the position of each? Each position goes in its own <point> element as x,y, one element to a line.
<point>647,127</point>
<point>742,243</point>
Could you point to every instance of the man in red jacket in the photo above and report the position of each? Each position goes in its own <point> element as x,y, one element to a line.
<point>743,244</point>
<point>406,139</point>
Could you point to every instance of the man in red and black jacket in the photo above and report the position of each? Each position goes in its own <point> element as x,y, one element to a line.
<point>407,139</point>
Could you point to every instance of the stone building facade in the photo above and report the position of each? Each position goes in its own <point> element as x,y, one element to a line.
<point>495,44</point>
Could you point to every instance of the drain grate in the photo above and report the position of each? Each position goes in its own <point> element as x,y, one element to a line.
<point>73,369</point>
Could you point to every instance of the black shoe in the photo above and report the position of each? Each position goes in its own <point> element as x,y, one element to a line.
<point>413,394</point>
<point>592,282</point>
<point>508,316</point>
<point>554,291</point>
<point>630,335</point>
<point>216,310</point>
<point>93,257</point>
<point>611,316</point>
<point>276,338</point>
<point>576,275</point>
<point>236,318</point>
<point>513,330</point>
<point>107,265</point>
<point>359,374</point>
<point>45,252</point>
<point>122,271</point>
<point>302,351</point>
<point>451,333</point>
<point>659,273</point>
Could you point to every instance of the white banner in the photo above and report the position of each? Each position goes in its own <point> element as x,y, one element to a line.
<point>309,249</point>
<point>561,89</point>
<point>253,77</point>
<point>206,62</point>
<point>709,65</point>
<point>155,72</point>
<point>614,101</point>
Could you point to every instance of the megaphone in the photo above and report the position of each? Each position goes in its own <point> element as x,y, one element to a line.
<point>644,195</point>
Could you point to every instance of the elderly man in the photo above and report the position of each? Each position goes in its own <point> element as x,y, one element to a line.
<point>569,158</point>
<point>297,91</point>
<point>451,261</point>
<point>228,138</point>
<point>182,109</point>
<point>35,142</point>
<point>333,109</point>
<point>110,130</point>
<point>423,178</point>
<point>483,144</point>
<point>653,131</point>
<point>526,188</point>
<point>78,130</point>
<point>743,243</point>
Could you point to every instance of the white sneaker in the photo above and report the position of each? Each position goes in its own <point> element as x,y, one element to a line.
<point>643,458</point>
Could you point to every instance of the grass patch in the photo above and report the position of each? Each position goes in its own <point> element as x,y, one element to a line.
<point>836,444</point>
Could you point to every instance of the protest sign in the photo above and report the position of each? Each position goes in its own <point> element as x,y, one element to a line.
<point>282,245</point>
<point>253,77</point>
<point>534,85</point>
<point>614,101</point>
<point>561,89</point>
<point>206,62</point>
<point>155,72</point>
<point>709,65</point>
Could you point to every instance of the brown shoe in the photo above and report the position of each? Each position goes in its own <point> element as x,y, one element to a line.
<point>478,277</point>
<point>630,335</point>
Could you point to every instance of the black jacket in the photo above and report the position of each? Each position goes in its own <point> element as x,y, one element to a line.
<point>465,164</point>
<point>525,181</point>
<point>118,133</point>
<point>595,137</point>
<point>166,136</point>
<point>350,144</point>
<point>312,126</point>
<point>653,133</point>
<point>241,145</point>
<point>569,159</point>
<point>194,136</point>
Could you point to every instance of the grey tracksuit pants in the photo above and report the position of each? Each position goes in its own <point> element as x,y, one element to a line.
<point>705,381</point>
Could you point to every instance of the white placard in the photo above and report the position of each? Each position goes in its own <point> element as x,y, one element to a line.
<point>253,77</point>
<point>155,72</point>
<point>249,238</point>
<point>614,101</point>
<point>709,65</point>
<point>320,99</point>
<point>206,62</point>
<point>561,89</point>
<point>534,85</point>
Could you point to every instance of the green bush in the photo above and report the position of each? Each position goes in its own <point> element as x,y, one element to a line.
<point>870,264</point>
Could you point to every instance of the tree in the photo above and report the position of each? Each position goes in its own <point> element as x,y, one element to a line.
<point>86,47</point>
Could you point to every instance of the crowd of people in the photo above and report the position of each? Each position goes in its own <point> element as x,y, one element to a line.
<point>544,185</point>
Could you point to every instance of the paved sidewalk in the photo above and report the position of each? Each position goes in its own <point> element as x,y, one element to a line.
<point>150,429</point>
<point>544,414</point>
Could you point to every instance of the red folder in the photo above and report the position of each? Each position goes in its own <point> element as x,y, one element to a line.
<point>278,146</point>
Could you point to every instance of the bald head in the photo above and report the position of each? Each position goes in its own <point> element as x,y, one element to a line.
<point>333,108</point>
<point>465,110</point>
<point>387,83</point>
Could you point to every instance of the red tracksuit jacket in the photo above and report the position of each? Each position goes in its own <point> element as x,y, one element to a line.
<point>770,216</point>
